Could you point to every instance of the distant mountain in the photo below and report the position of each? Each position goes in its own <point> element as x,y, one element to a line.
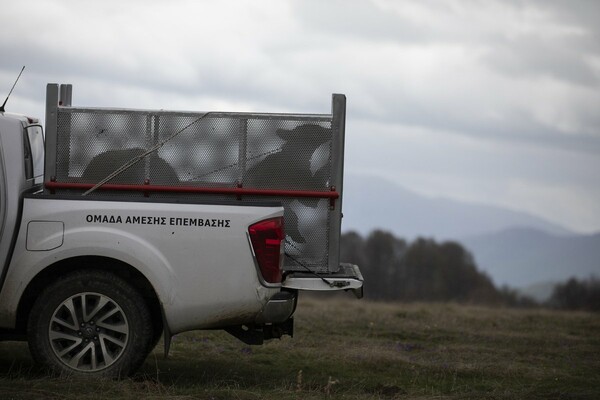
<point>374,203</point>
<point>514,248</point>
<point>521,257</point>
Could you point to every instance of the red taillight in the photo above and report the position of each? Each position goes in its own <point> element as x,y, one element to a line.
<point>267,241</point>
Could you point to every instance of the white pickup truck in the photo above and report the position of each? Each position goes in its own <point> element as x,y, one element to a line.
<point>123,225</point>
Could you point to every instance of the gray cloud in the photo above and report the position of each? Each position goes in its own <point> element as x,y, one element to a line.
<point>505,74</point>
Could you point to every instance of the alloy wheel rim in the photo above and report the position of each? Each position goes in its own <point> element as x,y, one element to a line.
<point>88,332</point>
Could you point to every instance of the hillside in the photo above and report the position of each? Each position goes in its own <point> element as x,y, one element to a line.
<point>524,256</point>
<point>512,247</point>
<point>373,203</point>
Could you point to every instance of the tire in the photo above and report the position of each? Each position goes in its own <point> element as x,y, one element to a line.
<point>90,323</point>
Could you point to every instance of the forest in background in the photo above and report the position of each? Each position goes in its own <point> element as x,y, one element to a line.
<point>425,270</point>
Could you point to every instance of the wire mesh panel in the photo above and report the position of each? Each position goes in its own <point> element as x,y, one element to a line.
<point>214,150</point>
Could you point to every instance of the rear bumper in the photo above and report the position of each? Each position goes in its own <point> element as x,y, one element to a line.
<point>279,308</point>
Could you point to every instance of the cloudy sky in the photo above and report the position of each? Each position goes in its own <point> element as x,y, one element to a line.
<point>492,102</point>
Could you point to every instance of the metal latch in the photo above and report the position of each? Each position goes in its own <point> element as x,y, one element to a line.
<point>339,284</point>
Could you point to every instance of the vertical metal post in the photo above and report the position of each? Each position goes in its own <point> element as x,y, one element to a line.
<point>156,130</point>
<point>338,127</point>
<point>149,143</point>
<point>63,136</point>
<point>66,95</point>
<point>242,148</point>
<point>51,131</point>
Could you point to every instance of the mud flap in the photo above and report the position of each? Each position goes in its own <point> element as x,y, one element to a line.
<point>347,278</point>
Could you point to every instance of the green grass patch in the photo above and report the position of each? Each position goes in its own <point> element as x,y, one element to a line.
<point>350,349</point>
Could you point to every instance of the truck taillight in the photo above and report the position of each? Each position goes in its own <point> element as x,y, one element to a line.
<point>267,239</point>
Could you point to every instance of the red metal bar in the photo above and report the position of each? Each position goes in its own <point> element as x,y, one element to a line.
<point>193,189</point>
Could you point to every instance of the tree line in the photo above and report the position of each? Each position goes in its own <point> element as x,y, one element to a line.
<point>577,294</point>
<point>425,270</point>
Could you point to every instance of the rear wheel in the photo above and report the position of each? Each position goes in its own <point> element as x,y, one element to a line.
<point>90,322</point>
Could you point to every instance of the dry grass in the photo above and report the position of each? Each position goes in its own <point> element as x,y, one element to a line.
<point>345,348</point>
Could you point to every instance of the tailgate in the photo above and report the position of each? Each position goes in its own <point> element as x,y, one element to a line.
<point>347,277</point>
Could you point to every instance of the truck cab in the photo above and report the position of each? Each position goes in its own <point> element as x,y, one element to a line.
<point>21,171</point>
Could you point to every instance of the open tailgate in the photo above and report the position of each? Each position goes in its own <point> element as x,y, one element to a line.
<point>347,277</point>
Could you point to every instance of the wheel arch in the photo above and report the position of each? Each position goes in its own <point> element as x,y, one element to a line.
<point>63,267</point>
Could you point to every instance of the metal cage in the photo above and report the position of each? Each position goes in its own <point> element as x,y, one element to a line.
<point>295,159</point>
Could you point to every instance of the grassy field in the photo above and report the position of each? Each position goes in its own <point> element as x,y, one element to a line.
<point>351,349</point>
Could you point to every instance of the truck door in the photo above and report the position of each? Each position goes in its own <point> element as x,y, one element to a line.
<point>3,251</point>
<point>21,168</point>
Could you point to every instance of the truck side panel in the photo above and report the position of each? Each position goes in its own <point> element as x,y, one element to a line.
<point>196,257</point>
